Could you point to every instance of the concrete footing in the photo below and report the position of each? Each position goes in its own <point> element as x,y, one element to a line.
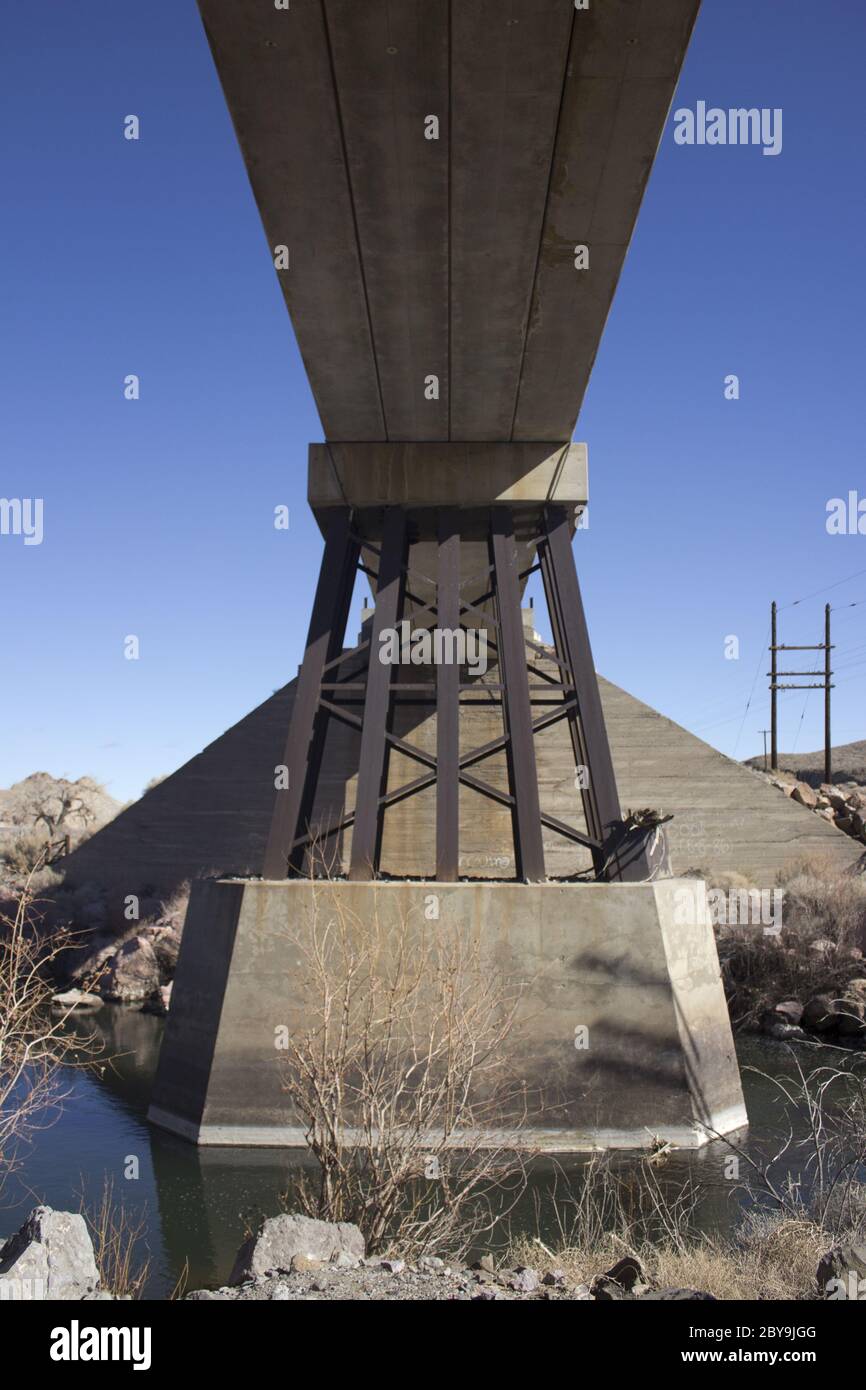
<point>621,1033</point>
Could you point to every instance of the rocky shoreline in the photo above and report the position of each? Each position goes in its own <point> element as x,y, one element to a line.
<point>294,1258</point>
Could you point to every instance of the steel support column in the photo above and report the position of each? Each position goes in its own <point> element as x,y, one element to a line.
<point>516,707</point>
<point>372,769</point>
<point>589,736</point>
<point>448,703</point>
<point>303,753</point>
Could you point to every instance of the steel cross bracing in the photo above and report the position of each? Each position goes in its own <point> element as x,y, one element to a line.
<point>329,687</point>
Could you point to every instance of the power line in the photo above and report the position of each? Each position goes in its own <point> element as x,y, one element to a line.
<point>826,590</point>
<point>751,693</point>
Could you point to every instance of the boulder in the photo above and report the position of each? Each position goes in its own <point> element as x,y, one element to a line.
<point>821,1013</point>
<point>841,1271</point>
<point>771,1027</point>
<point>803,793</point>
<point>165,940</point>
<point>50,1257</point>
<point>786,1011</point>
<point>158,1003</point>
<point>280,1238</point>
<point>132,974</point>
<point>76,999</point>
<point>626,1272</point>
<point>523,1280</point>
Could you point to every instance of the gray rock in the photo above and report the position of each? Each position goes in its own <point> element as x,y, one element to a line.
<point>789,1011</point>
<point>393,1266</point>
<point>132,974</point>
<point>76,999</point>
<point>159,1002</point>
<point>165,940</point>
<point>782,1032</point>
<point>841,1270</point>
<point>344,1260</point>
<point>51,1256</point>
<point>280,1238</point>
<point>524,1280</point>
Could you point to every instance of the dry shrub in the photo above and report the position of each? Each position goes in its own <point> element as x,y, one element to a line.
<point>35,1043</point>
<point>27,853</point>
<point>399,1080</point>
<point>117,1234</point>
<point>819,906</point>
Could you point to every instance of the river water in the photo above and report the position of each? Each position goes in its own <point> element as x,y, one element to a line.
<point>196,1203</point>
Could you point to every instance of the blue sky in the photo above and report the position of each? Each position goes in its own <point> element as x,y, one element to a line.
<point>148,257</point>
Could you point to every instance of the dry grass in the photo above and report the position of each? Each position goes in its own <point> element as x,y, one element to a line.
<point>27,853</point>
<point>779,1263</point>
<point>118,1237</point>
<point>819,906</point>
<point>772,1256</point>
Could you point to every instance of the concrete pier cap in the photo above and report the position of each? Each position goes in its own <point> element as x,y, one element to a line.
<point>620,1036</point>
<point>469,476</point>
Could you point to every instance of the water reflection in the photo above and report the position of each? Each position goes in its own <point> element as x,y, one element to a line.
<point>197,1202</point>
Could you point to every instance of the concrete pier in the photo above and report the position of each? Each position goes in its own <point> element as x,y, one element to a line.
<point>621,1034</point>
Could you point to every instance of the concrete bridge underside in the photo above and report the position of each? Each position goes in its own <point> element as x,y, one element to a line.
<point>453,257</point>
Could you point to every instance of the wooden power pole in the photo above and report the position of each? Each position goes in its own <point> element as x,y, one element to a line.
<point>775,686</point>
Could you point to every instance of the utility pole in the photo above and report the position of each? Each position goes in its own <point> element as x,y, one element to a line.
<point>828,757</point>
<point>774,744</point>
<point>764,732</point>
<point>826,685</point>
